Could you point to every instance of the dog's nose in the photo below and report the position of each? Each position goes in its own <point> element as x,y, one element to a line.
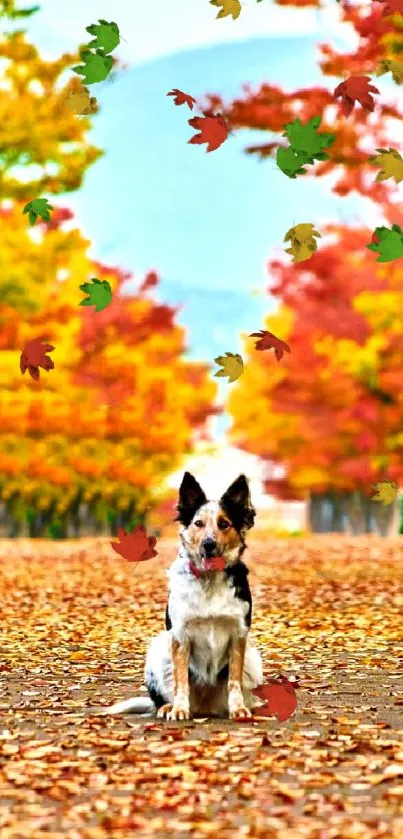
<point>209,546</point>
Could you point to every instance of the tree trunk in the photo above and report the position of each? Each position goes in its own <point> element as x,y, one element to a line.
<point>351,512</point>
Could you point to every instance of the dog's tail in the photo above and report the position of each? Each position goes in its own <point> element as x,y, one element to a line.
<point>135,705</point>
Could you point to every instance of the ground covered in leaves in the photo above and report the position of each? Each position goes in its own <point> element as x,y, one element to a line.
<point>75,622</point>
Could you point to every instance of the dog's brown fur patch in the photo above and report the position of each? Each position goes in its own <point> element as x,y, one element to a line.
<point>218,525</point>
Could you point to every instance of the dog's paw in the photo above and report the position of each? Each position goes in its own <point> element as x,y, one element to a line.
<point>239,710</point>
<point>179,711</point>
<point>164,710</point>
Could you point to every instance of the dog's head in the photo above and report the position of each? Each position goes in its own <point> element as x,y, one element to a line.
<point>214,528</point>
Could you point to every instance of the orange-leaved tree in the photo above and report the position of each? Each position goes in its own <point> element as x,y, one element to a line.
<point>331,412</point>
<point>95,437</point>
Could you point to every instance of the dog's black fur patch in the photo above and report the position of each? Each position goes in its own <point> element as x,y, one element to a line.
<point>156,697</point>
<point>191,497</point>
<point>237,505</point>
<point>238,573</point>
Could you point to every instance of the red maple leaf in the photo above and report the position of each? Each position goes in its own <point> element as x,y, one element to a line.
<point>33,356</point>
<point>214,563</point>
<point>392,7</point>
<point>269,341</point>
<point>135,546</point>
<point>181,98</point>
<point>356,88</point>
<point>150,280</point>
<point>279,697</point>
<point>212,130</point>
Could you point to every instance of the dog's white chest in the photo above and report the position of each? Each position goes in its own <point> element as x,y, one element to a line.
<point>208,616</point>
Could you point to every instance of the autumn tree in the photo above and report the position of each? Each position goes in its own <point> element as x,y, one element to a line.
<point>95,437</point>
<point>331,411</point>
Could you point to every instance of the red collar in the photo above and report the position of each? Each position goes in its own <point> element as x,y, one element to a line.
<point>195,571</point>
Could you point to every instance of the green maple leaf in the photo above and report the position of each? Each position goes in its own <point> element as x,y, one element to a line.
<point>291,162</point>
<point>99,294</point>
<point>107,35</point>
<point>38,207</point>
<point>305,138</point>
<point>96,66</point>
<point>390,245</point>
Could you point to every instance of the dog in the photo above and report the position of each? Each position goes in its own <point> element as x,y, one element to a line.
<point>203,664</point>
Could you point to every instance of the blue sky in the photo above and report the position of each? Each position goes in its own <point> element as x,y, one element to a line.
<point>207,223</point>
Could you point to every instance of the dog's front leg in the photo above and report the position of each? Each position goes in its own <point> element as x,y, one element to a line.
<point>236,704</point>
<point>180,671</point>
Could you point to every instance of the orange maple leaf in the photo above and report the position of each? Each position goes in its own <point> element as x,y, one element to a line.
<point>356,88</point>
<point>181,98</point>
<point>212,130</point>
<point>135,546</point>
<point>279,697</point>
<point>33,356</point>
<point>269,341</point>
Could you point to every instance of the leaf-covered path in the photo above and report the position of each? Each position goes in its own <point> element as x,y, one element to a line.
<point>75,621</point>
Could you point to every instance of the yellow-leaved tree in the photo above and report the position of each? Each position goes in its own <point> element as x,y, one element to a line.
<point>87,447</point>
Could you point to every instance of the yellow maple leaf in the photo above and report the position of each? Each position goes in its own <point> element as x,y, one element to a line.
<point>303,243</point>
<point>228,7</point>
<point>391,163</point>
<point>232,366</point>
<point>80,102</point>
<point>395,67</point>
<point>386,492</point>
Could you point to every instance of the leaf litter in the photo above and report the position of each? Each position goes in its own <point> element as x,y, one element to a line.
<point>75,628</point>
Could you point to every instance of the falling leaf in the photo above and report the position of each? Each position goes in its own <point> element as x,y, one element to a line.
<point>34,356</point>
<point>292,162</point>
<point>182,98</point>
<point>355,89</point>
<point>228,7</point>
<point>213,130</point>
<point>80,102</point>
<point>391,163</point>
<point>386,491</point>
<point>38,207</point>
<point>279,697</point>
<point>269,341</point>
<point>99,294</point>
<point>387,243</point>
<point>306,138</point>
<point>135,546</point>
<point>106,35</point>
<point>96,66</point>
<point>232,366</point>
<point>394,67</point>
<point>302,240</point>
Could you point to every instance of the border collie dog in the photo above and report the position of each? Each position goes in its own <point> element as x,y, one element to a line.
<point>203,664</point>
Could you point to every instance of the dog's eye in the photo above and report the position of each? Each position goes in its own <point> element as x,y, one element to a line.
<point>199,523</point>
<point>223,525</point>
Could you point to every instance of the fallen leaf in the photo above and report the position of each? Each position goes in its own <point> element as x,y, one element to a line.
<point>279,697</point>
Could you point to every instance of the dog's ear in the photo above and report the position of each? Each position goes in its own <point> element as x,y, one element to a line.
<point>191,497</point>
<point>237,503</point>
